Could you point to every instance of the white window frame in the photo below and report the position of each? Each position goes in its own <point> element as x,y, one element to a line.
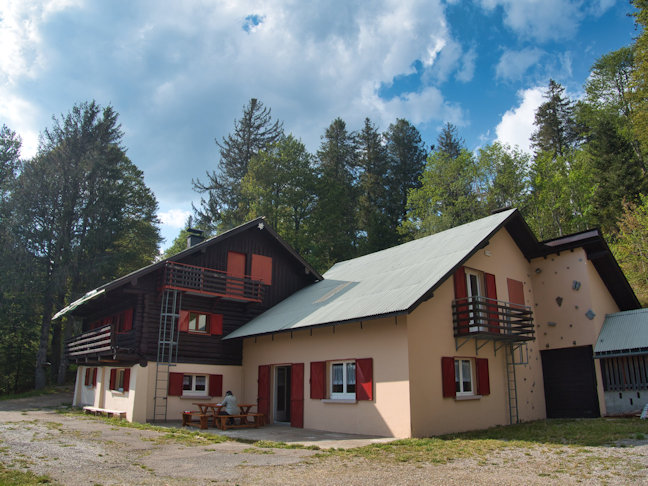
<point>193,391</point>
<point>346,386</point>
<point>459,377</point>
<point>476,317</point>
<point>194,321</point>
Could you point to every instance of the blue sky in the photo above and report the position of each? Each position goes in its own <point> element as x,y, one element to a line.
<point>179,73</point>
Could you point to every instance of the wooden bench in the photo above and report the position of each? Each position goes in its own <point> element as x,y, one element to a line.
<point>202,422</point>
<point>104,411</point>
<point>244,421</point>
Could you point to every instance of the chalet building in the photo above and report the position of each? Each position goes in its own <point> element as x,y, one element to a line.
<point>152,340</point>
<point>476,326</point>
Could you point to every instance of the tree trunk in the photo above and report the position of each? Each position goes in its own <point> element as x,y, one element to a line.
<point>41,356</point>
<point>63,365</point>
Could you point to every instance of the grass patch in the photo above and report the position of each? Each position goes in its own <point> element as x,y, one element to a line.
<point>580,432</point>
<point>484,444</point>
<point>12,477</point>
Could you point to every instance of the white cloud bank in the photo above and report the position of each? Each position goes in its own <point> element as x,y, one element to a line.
<point>516,126</point>
<point>174,218</point>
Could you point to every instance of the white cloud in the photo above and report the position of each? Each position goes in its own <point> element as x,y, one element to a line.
<point>545,19</point>
<point>513,65</point>
<point>174,218</point>
<point>516,125</point>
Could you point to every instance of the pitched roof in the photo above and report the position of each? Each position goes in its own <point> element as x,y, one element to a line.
<point>389,282</point>
<point>623,334</point>
<point>396,280</point>
<point>178,257</point>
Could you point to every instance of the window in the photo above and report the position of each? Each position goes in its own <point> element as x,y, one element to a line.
<point>343,380</point>
<point>194,385</point>
<point>91,377</point>
<point>181,384</point>
<point>476,308</point>
<point>120,379</point>
<point>201,322</point>
<point>463,377</point>
<point>197,322</point>
<point>122,322</point>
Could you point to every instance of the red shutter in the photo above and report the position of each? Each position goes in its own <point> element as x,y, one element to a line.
<point>126,379</point>
<point>236,269</point>
<point>448,374</point>
<point>216,324</point>
<point>183,324</point>
<point>94,377</point>
<point>491,293</point>
<point>263,396</point>
<point>216,385</point>
<point>297,395</point>
<point>483,382</point>
<point>364,379</point>
<point>515,291</point>
<point>262,269</point>
<point>87,377</point>
<point>113,377</point>
<point>127,320</point>
<point>175,384</point>
<point>318,379</point>
<point>461,292</point>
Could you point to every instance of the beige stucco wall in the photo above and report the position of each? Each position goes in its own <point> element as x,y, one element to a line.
<point>384,340</point>
<point>566,325</point>
<point>232,380</point>
<point>431,336</point>
<point>83,395</point>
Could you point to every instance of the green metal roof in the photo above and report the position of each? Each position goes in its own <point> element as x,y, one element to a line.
<point>388,282</point>
<point>623,334</point>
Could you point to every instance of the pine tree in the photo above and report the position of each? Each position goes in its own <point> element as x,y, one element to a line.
<point>407,156</point>
<point>224,206</point>
<point>335,216</point>
<point>556,131</point>
<point>373,190</point>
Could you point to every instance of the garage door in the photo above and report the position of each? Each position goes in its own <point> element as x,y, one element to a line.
<point>570,382</point>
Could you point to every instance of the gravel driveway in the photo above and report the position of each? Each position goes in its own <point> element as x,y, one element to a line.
<point>77,450</point>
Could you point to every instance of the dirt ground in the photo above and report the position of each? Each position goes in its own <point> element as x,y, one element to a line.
<point>77,450</point>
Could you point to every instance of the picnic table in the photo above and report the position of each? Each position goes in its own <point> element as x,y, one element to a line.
<point>213,410</point>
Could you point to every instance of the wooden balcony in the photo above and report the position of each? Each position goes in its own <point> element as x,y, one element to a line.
<point>91,345</point>
<point>206,281</point>
<point>485,318</point>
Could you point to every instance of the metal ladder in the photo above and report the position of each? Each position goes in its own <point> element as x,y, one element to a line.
<point>167,352</point>
<point>511,384</point>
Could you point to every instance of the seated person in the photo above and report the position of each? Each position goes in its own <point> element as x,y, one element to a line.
<point>230,406</point>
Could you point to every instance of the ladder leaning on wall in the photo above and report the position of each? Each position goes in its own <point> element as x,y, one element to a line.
<point>167,352</point>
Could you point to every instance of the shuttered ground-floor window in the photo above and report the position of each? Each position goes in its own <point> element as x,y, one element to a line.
<point>625,373</point>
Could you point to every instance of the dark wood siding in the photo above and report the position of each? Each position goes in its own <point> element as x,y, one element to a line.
<point>145,295</point>
<point>570,382</point>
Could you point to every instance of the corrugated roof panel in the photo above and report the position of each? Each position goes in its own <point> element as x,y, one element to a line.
<point>623,333</point>
<point>386,282</point>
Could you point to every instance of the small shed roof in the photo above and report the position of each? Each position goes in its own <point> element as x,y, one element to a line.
<point>389,282</point>
<point>623,334</point>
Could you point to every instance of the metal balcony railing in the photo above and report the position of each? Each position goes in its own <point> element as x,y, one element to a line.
<point>207,281</point>
<point>492,319</point>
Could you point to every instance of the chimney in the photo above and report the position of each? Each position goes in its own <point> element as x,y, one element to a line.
<point>194,237</point>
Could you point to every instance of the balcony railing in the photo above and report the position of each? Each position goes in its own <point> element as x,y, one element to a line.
<point>492,319</point>
<point>207,281</point>
<point>91,344</point>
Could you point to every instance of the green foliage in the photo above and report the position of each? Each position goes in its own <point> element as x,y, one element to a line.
<point>504,176</point>
<point>556,131</point>
<point>224,205</point>
<point>631,246</point>
<point>80,215</point>
<point>639,77</point>
<point>448,194</point>
<point>11,477</point>
<point>335,232</point>
<point>280,185</point>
